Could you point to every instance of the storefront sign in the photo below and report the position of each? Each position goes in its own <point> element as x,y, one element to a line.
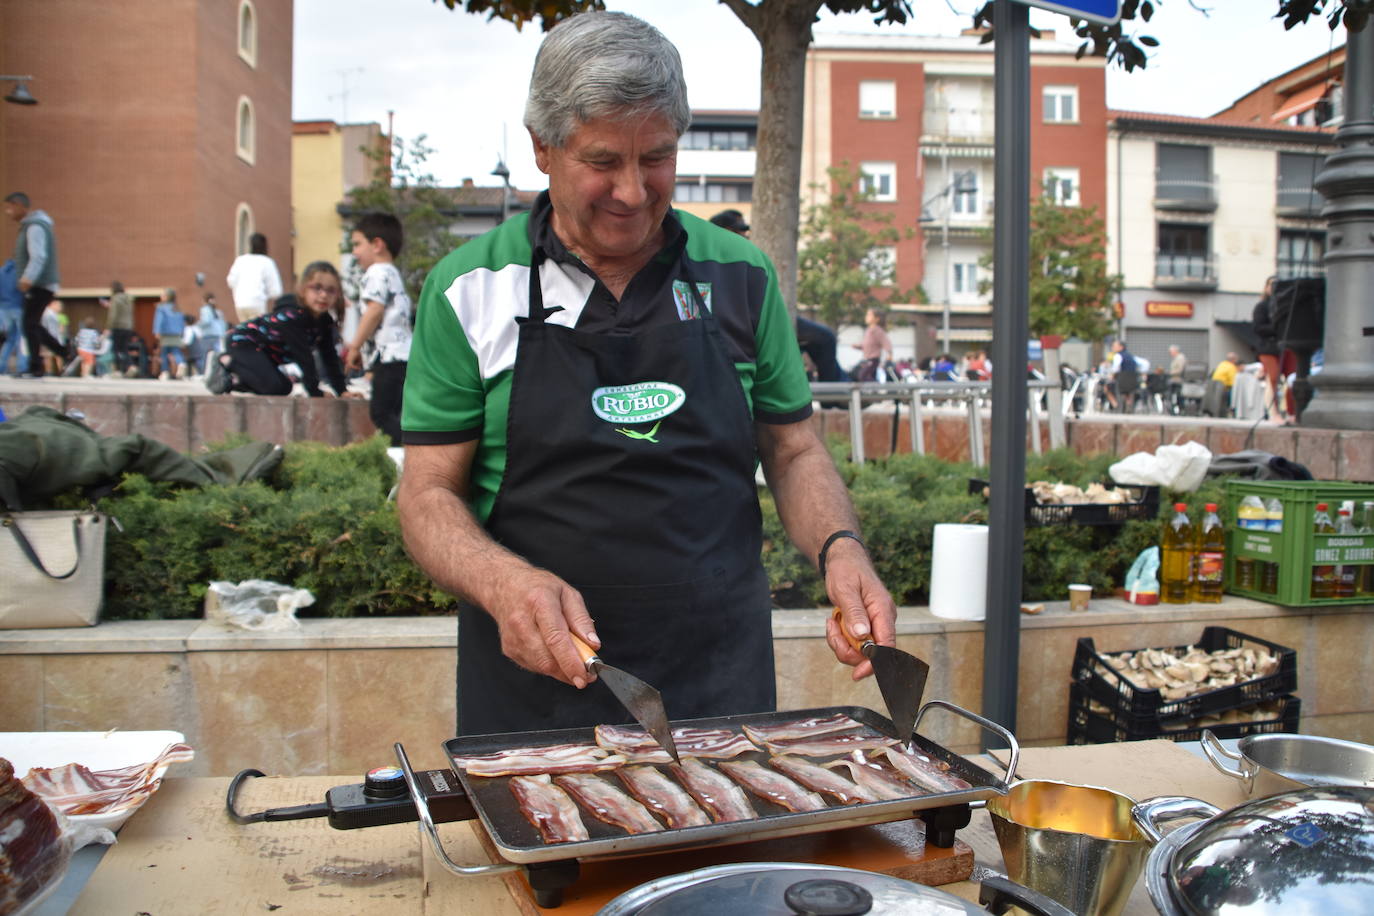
<point>1169,309</point>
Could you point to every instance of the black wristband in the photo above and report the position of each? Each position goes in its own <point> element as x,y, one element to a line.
<point>825,548</point>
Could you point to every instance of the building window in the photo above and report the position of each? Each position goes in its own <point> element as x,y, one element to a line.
<point>1301,254</point>
<point>1061,104</point>
<point>687,192</point>
<point>1297,172</point>
<point>881,265</point>
<point>706,138</point>
<point>878,180</point>
<point>248,33</point>
<point>964,193</point>
<point>1061,186</point>
<point>246,133</point>
<point>1183,253</point>
<point>965,283</point>
<point>243,228</point>
<point>877,99</point>
<point>1183,172</point>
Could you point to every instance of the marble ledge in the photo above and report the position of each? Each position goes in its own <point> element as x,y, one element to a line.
<point>178,636</point>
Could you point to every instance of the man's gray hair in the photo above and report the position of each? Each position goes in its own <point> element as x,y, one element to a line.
<point>596,65</point>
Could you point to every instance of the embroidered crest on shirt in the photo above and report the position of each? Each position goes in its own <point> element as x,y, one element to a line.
<point>687,307</point>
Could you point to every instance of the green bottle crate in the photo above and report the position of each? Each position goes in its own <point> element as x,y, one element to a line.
<point>1297,548</point>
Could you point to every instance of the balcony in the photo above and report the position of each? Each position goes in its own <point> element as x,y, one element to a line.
<point>1197,195</point>
<point>1185,271</point>
<point>1298,200</point>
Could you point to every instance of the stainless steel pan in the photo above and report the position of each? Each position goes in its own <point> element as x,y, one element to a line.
<point>518,841</point>
<point>1269,764</point>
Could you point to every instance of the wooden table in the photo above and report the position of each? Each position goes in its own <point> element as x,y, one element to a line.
<point>181,853</point>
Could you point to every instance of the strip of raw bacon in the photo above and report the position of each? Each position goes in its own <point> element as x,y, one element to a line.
<point>801,728</point>
<point>714,791</point>
<point>548,808</point>
<point>875,780</point>
<point>819,779</point>
<point>770,786</point>
<point>75,789</point>
<point>829,745</point>
<point>663,796</point>
<point>925,771</point>
<point>638,746</point>
<point>607,803</point>
<point>529,761</point>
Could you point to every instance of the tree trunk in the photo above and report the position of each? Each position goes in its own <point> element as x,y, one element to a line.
<point>783,29</point>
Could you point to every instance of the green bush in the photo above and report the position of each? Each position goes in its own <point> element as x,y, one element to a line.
<point>323,522</point>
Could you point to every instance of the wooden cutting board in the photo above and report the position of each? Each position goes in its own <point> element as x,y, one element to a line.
<point>897,849</point>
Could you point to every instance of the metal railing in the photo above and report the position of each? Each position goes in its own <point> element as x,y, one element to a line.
<point>920,396</point>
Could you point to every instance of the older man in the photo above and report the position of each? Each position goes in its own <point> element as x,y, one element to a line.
<point>589,390</point>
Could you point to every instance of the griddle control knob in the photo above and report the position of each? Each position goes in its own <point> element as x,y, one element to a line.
<point>384,782</point>
<point>827,897</point>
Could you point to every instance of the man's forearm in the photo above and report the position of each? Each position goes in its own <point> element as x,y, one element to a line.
<point>812,500</point>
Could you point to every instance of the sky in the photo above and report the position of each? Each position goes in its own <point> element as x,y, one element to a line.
<point>461,80</point>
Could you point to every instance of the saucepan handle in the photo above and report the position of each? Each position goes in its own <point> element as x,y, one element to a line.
<point>1217,753</point>
<point>987,724</point>
<point>1149,813</point>
<point>427,824</point>
<point>1000,894</point>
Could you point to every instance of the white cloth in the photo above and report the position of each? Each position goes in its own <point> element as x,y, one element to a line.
<point>1247,397</point>
<point>391,341</point>
<point>253,280</point>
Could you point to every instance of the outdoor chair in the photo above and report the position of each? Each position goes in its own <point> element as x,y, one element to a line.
<point>1127,390</point>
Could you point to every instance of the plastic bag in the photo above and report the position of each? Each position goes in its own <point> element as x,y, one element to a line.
<point>256,604</point>
<point>1142,579</point>
<point>1180,467</point>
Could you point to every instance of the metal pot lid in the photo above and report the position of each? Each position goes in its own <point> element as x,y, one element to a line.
<point>784,889</point>
<point>1309,850</point>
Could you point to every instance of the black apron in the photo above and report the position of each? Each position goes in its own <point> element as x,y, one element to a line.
<point>655,521</point>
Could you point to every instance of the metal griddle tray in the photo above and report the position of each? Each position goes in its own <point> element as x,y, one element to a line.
<point>518,841</point>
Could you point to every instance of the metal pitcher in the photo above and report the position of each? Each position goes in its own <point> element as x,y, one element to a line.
<point>1075,844</point>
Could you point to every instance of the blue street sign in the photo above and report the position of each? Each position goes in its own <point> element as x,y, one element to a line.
<point>1105,11</point>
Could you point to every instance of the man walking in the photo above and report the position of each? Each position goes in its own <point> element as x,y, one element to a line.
<point>35,258</point>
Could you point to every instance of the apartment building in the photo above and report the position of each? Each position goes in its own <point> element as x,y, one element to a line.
<point>915,115</point>
<point>715,163</point>
<point>327,161</point>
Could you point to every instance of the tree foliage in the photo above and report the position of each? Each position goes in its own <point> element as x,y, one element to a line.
<point>404,187</point>
<point>518,12</point>
<point>840,262</point>
<point>1071,292</point>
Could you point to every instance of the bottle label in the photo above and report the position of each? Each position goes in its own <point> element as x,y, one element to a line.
<point>1211,566</point>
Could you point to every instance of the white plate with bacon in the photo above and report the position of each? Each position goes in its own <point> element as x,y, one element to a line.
<point>94,778</point>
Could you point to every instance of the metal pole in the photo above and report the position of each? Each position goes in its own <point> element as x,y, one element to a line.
<point>1011,257</point>
<point>944,239</point>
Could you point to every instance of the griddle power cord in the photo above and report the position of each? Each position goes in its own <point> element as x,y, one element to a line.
<point>295,813</point>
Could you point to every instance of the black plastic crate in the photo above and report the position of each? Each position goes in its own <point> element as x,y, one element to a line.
<point>1089,726</point>
<point>1100,680</point>
<point>1145,504</point>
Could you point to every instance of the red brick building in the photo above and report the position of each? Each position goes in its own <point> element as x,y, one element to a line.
<point>160,141</point>
<point>915,115</point>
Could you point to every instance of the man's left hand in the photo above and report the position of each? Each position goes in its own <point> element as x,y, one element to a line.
<point>868,609</point>
<point>25,285</point>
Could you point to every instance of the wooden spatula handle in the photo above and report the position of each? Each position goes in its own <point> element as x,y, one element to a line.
<point>858,644</point>
<point>587,652</point>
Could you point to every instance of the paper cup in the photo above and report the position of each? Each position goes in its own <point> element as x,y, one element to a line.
<point>1078,597</point>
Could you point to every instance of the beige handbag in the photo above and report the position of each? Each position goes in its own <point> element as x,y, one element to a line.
<point>52,568</point>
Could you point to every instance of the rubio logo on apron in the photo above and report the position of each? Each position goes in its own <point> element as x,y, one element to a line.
<point>637,403</point>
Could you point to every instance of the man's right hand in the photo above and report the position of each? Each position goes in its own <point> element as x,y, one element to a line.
<point>535,614</point>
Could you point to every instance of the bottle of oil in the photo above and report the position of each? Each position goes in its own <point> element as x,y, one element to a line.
<point>1176,564</point>
<point>1269,570</point>
<point>1323,575</point>
<point>1364,585</point>
<point>1250,514</point>
<point>1346,572</point>
<point>1209,558</point>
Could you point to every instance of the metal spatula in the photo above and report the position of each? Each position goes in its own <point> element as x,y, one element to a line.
<point>901,679</point>
<point>644,702</point>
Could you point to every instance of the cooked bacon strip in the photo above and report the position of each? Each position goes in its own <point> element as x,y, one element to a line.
<point>819,779</point>
<point>33,852</point>
<point>925,771</point>
<point>75,789</point>
<point>663,796</point>
<point>875,780</point>
<point>638,746</point>
<point>607,803</point>
<point>829,745</point>
<point>714,791</point>
<point>802,728</point>
<point>771,786</point>
<point>529,761</point>
<point>548,808</point>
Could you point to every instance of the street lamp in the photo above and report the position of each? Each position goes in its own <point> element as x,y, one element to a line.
<point>504,174</point>
<point>19,95</point>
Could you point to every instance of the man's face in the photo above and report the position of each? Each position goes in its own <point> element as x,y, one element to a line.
<point>611,184</point>
<point>14,211</point>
